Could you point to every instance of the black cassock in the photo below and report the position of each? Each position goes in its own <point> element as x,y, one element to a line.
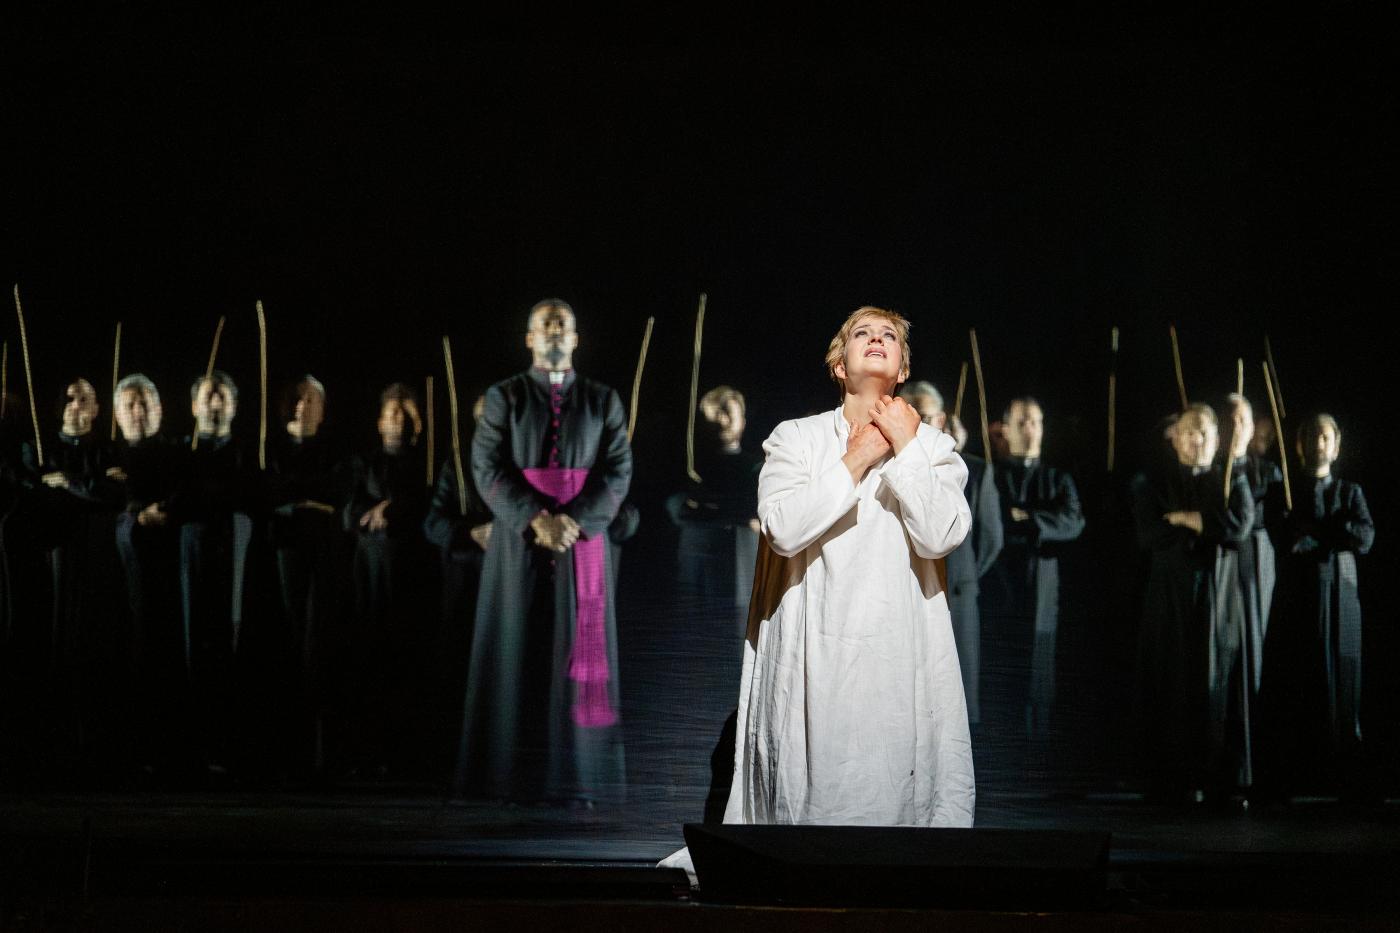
<point>1021,612</point>
<point>1191,675</point>
<point>306,493</point>
<point>542,714</point>
<point>448,528</point>
<point>394,577</point>
<point>216,498</point>
<point>1256,564</point>
<point>715,548</point>
<point>966,567</point>
<point>1312,659</point>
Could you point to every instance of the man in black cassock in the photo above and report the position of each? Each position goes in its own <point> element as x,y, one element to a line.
<point>975,556</point>
<point>306,494</point>
<point>461,537</point>
<point>216,496</point>
<point>1040,514</point>
<point>1192,677</point>
<point>553,464</point>
<point>147,543</point>
<point>1312,663</point>
<point>718,517</point>
<point>393,615</point>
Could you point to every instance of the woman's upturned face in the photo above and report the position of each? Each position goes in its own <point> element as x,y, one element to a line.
<point>873,350</point>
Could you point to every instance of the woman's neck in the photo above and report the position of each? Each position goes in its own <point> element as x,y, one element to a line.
<point>860,399</point>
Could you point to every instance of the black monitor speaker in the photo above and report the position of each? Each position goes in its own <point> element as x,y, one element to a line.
<point>898,866</point>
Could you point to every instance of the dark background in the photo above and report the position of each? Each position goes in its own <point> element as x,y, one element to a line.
<point>1040,178</point>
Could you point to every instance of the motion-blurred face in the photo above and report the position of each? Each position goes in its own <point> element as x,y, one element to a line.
<point>393,422</point>
<point>1263,440</point>
<point>80,409</point>
<point>552,338</point>
<point>729,422</point>
<point>138,415</point>
<point>1319,448</point>
<point>1195,440</point>
<point>1243,418</point>
<point>959,432</point>
<point>214,408</point>
<point>930,412</point>
<point>308,411</point>
<point>1025,429</point>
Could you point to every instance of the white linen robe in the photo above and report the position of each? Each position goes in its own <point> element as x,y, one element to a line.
<point>851,707</point>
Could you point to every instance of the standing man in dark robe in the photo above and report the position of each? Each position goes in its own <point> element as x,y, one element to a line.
<point>148,546</point>
<point>1312,665</point>
<point>461,536</point>
<point>718,517</point>
<point>975,556</point>
<point>1040,514</point>
<point>553,464</point>
<point>306,495</point>
<point>393,613</point>
<point>216,497</point>
<point>1193,682</point>
<point>80,501</point>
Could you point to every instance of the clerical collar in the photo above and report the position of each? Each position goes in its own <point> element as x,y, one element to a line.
<point>550,377</point>
<point>1323,480</point>
<point>1029,462</point>
<point>1199,470</point>
<point>73,440</point>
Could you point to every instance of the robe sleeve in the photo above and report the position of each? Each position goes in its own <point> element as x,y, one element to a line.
<point>1154,533</point>
<point>512,501</point>
<point>609,477</point>
<point>990,534</point>
<point>927,477</point>
<point>1230,523</point>
<point>1352,528</point>
<point>797,500</point>
<point>1061,519</point>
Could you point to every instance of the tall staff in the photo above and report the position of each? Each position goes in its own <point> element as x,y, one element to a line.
<point>4,377</point>
<point>116,364</point>
<point>981,396</point>
<point>1282,447</point>
<point>432,416</point>
<point>694,392</point>
<point>262,388</point>
<point>637,380</point>
<point>962,385</point>
<point>29,377</point>
<point>1239,376</point>
<point>1176,361</point>
<point>208,374</point>
<point>1113,398</point>
<point>1273,371</point>
<point>456,436</point>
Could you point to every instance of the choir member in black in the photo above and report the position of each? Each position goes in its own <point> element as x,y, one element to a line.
<point>552,462</point>
<point>718,516</point>
<point>975,556</point>
<point>1040,514</point>
<point>461,536</point>
<point>1191,672</point>
<point>306,495</point>
<point>147,543</point>
<point>392,571</point>
<point>1312,665</point>
<point>79,501</point>
<point>1255,561</point>
<point>216,497</point>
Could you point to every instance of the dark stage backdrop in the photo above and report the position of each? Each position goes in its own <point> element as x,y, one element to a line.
<point>377,192</point>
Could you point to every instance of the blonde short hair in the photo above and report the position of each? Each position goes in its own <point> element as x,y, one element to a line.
<point>836,352</point>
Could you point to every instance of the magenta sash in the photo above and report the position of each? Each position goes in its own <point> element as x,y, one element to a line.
<point>588,661</point>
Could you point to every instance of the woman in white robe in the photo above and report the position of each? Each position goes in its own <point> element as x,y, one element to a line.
<point>851,707</point>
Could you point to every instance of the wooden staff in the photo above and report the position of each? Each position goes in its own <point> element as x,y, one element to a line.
<point>262,388</point>
<point>4,377</point>
<point>116,363</point>
<point>1113,400</point>
<point>981,396</point>
<point>694,391</point>
<point>1273,371</point>
<point>29,378</point>
<point>637,379</point>
<point>1176,361</point>
<point>962,385</point>
<point>428,392</point>
<point>456,436</point>
<point>1278,430</point>
<point>208,374</point>
<point>1239,376</point>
